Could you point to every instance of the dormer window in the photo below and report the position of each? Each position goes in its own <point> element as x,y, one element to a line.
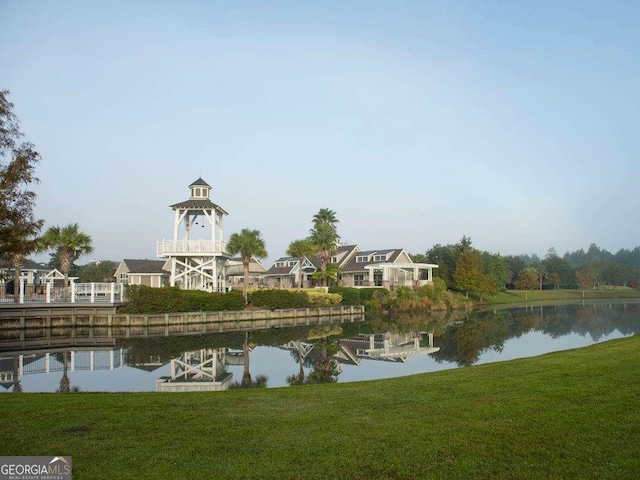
<point>380,258</point>
<point>281,264</point>
<point>362,258</point>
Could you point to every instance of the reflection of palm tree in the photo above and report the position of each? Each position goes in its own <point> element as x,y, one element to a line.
<point>17,386</point>
<point>298,379</point>
<point>65,383</point>
<point>325,369</point>
<point>247,382</point>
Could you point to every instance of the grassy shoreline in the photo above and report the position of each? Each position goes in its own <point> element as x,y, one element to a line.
<point>570,414</point>
<point>524,296</point>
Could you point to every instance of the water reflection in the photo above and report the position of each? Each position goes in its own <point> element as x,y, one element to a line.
<point>378,348</point>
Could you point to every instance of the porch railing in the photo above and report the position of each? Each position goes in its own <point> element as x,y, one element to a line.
<point>166,247</point>
<point>51,293</point>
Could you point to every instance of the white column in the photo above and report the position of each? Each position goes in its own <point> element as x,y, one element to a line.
<point>176,225</point>
<point>213,218</point>
<point>47,296</point>
<point>93,292</point>
<point>47,364</point>
<point>112,297</point>
<point>73,292</point>
<point>21,291</point>
<point>92,360</point>
<point>73,360</point>
<point>221,230</point>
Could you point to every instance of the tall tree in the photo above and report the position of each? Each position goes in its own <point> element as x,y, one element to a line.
<point>327,216</point>
<point>248,243</point>
<point>469,276</point>
<point>301,249</point>
<point>527,280</point>
<point>324,235</point>
<point>324,238</point>
<point>18,226</point>
<point>70,244</point>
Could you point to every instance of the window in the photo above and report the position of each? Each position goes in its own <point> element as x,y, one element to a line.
<point>280,264</point>
<point>379,258</point>
<point>362,258</point>
<point>358,280</point>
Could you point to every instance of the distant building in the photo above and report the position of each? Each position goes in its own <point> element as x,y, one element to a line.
<point>150,273</point>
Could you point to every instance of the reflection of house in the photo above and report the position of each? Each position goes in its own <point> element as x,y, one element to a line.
<point>285,273</point>
<point>234,271</point>
<point>391,347</point>
<point>142,272</point>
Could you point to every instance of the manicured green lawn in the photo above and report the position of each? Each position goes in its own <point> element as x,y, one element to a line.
<point>572,414</point>
<point>522,296</point>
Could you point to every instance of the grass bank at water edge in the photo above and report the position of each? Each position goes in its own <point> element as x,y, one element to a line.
<point>524,296</point>
<point>572,414</point>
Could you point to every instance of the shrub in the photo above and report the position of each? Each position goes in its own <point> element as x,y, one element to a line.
<point>435,291</point>
<point>350,296</point>
<point>143,299</point>
<point>275,299</point>
<point>322,298</point>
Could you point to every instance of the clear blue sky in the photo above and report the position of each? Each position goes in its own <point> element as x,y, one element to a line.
<point>418,122</point>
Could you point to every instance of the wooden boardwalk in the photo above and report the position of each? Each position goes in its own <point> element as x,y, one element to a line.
<point>85,328</point>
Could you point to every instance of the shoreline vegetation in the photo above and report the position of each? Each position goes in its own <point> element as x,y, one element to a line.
<point>569,414</point>
<point>432,298</point>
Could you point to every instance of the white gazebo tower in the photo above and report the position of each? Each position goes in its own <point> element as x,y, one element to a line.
<point>197,255</point>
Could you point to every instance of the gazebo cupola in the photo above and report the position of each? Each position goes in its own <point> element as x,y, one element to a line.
<point>197,254</point>
<point>200,190</point>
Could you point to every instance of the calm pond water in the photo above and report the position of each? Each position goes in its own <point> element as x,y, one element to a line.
<point>373,349</point>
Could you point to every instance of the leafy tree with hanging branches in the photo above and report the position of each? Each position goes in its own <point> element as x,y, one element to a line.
<point>248,243</point>
<point>19,227</point>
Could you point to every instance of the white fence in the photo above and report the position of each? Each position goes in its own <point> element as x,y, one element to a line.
<point>74,293</point>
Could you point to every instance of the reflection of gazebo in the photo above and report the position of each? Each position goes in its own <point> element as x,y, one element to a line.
<point>391,347</point>
<point>202,370</point>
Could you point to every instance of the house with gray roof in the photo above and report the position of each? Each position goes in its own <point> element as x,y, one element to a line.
<point>234,273</point>
<point>286,271</point>
<point>151,273</point>
<point>386,268</point>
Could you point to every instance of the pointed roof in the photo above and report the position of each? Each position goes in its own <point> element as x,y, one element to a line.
<point>200,183</point>
<point>199,203</point>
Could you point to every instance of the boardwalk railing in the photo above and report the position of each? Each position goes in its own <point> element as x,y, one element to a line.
<point>74,293</point>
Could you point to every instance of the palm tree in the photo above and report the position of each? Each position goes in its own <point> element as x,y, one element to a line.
<point>301,249</point>
<point>325,239</point>
<point>248,243</point>
<point>69,243</point>
<point>327,216</point>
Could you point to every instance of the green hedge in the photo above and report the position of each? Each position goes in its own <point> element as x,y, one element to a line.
<point>274,299</point>
<point>357,296</point>
<point>142,299</point>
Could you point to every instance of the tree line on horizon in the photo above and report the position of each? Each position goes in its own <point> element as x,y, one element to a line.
<point>467,269</point>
